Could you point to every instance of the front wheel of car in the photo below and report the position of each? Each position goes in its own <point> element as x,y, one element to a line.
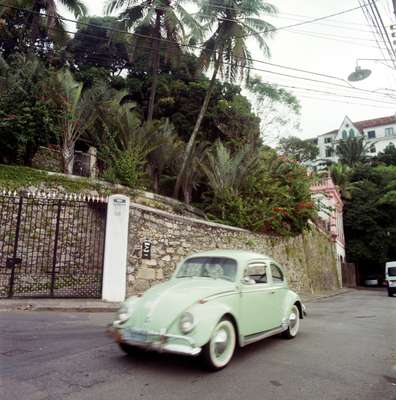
<point>293,323</point>
<point>218,352</point>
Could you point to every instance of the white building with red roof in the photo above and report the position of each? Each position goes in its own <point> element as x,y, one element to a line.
<point>377,133</point>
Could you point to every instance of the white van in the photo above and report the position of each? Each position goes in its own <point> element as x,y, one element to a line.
<point>390,277</point>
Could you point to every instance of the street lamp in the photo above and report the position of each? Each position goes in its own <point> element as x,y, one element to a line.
<point>359,74</point>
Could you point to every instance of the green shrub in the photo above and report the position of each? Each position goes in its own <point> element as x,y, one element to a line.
<point>128,169</point>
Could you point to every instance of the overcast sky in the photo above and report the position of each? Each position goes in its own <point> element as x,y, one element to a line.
<point>328,47</point>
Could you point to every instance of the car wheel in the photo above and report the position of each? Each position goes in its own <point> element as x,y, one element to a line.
<point>293,323</point>
<point>390,294</point>
<point>128,349</point>
<point>218,352</point>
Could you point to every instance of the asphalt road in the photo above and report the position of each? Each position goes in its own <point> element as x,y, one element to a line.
<point>346,350</point>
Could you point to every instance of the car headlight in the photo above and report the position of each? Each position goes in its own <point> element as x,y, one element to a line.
<point>186,323</point>
<point>123,314</point>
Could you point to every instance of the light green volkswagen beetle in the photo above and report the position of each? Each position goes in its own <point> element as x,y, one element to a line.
<point>215,301</point>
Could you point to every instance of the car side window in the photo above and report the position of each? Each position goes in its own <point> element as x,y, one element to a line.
<point>257,272</point>
<point>277,274</point>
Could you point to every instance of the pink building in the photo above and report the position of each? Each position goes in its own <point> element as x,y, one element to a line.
<point>327,195</point>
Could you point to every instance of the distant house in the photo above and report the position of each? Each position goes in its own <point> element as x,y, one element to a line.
<point>377,133</point>
<point>328,197</point>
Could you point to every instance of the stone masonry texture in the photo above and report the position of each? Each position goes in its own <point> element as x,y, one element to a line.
<point>309,259</point>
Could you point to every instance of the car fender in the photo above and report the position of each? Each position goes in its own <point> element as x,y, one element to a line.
<point>206,316</point>
<point>291,299</point>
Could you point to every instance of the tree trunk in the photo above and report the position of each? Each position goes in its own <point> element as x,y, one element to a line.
<point>155,65</point>
<point>68,158</point>
<point>187,195</point>
<point>190,144</point>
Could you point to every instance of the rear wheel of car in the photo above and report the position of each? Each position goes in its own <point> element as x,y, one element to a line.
<point>128,349</point>
<point>293,323</point>
<point>218,352</point>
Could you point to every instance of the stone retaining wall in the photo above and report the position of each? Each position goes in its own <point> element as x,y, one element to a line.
<point>310,259</point>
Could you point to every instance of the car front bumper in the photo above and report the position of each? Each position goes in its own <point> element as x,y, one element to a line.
<point>154,341</point>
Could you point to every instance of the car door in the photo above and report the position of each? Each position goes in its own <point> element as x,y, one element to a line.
<point>279,292</point>
<point>257,313</point>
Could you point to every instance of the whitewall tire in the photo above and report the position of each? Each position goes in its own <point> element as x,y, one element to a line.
<point>293,322</point>
<point>218,352</point>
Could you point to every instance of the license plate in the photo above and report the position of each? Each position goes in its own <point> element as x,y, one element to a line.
<point>135,336</point>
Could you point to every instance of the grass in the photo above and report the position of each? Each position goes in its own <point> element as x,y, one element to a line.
<point>18,177</point>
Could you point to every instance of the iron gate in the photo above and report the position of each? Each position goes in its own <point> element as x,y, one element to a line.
<point>51,247</point>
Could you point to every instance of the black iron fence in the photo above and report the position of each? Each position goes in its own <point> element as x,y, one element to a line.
<point>51,247</point>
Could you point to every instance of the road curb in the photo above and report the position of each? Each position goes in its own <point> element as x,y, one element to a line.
<point>109,308</point>
<point>314,298</point>
<point>102,307</point>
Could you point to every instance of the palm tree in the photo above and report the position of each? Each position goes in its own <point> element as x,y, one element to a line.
<point>227,49</point>
<point>156,21</point>
<point>78,111</point>
<point>154,144</point>
<point>352,151</point>
<point>340,174</point>
<point>226,171</point>
<point>52,23</point>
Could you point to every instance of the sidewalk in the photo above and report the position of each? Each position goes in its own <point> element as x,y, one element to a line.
<point>309,297</point>
<point>59,305</point>
<point>83,305</point>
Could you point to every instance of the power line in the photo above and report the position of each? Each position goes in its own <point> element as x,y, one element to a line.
<point>336,36</point>
<point>344,102</point>
<point>336,21</point>
<point>246,67</point>
<point>195,47</point>
<point>370,16</point>
<point>236,37</point>
<point>383,27</point>
<point>328,37</point>
<point>101,58</point>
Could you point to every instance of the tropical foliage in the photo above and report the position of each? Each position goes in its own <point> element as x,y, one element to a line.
<point>259,191</point>
<point>133,85</point>
<point>352,151</point>
<point>300,150</point>
<point>370,215</point>
<point>232,22</point>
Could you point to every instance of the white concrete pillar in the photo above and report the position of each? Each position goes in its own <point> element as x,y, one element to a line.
<point>116,249</point>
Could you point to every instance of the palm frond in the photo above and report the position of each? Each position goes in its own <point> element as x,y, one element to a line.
<point>77,7</point>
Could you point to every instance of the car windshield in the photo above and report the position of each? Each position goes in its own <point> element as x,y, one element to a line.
<point>209,267</point>
<point>392,271</point>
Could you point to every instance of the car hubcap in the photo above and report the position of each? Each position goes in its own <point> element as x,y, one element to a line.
<point>294,321</point>
<point>222,344</point>
<point>220,340</point>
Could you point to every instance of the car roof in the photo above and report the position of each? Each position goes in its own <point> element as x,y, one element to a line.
<point>242,256</point>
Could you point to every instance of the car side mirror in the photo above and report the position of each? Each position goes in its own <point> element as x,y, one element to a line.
<point>248,281</point>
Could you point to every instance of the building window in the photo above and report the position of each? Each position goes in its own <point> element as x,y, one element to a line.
<point>371,135</point>
<point>328,140</point>
<point>329,152</point>
<point>351,133</point>
<point>373,149</point>
<point>344,135</point>
<point>389,132</point>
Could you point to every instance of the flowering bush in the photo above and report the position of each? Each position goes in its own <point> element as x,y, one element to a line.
<point>274,199</point>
